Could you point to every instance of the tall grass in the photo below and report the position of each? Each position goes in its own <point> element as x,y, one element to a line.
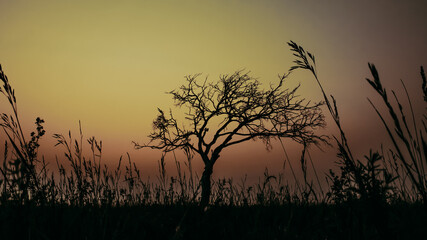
<point>82,179</point>
<point>368,179</point>
<point>409,144</point>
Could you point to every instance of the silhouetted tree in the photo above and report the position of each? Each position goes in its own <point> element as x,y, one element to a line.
<point>231,111</point>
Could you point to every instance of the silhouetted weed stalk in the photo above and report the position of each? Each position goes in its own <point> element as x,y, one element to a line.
<point>21,180</point>
<point>409,144</point>
<point>397,174</point>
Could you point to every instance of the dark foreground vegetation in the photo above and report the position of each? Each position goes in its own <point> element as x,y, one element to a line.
<point>289,221</point>
<point>382,196</point>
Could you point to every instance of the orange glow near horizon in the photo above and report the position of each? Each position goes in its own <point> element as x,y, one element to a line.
<point>109,64</point>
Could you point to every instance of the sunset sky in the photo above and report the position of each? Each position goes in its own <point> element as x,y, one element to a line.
<point>110,63</point>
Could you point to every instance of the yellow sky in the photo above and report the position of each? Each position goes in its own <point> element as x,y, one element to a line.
<point>109,63</point>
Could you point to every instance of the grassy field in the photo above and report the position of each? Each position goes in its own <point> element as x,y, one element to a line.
<point>383,196</point>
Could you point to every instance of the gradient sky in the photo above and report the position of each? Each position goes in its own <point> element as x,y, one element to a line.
<point>109,64</point>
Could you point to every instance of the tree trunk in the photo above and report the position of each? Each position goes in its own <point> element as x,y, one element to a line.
<point>206,185</point>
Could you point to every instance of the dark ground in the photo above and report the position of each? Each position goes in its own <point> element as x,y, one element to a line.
<point>349,221</point>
